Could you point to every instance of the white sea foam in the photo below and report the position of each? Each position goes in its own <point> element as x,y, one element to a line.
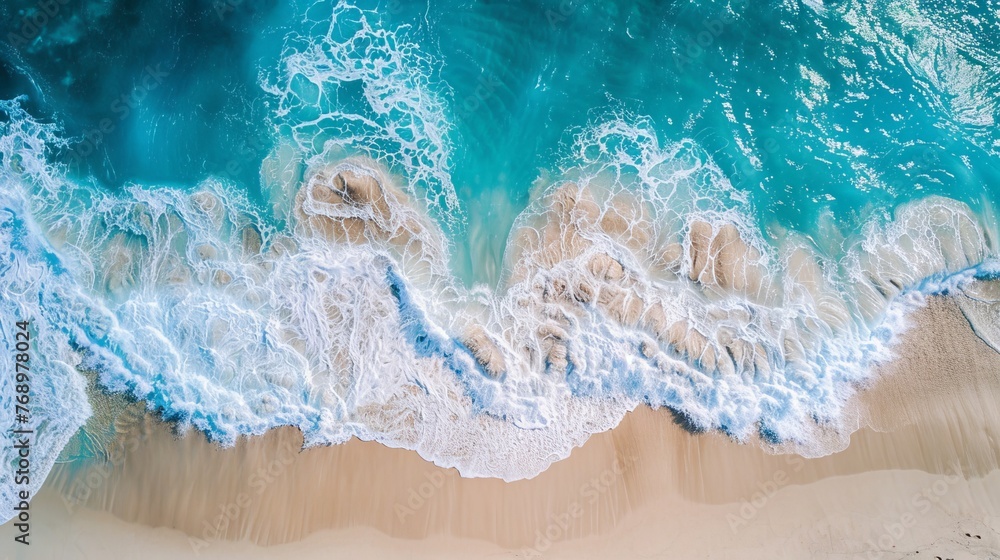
<point>401,121</point>
<point>639,281</point>
<point>65,325</point>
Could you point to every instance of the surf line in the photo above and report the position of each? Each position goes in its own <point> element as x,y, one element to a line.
<point>22,433</point>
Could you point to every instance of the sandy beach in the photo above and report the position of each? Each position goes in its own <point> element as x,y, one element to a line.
<point>920,479</point>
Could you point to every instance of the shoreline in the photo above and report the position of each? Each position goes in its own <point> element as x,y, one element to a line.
<point>646,482</point>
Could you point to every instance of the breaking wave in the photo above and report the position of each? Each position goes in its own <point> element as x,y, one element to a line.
<point>640,275</point>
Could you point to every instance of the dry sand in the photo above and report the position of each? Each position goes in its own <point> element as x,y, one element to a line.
<point>920,481</point>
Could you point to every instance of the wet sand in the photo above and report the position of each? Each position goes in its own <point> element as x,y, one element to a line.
<point>919,480</point>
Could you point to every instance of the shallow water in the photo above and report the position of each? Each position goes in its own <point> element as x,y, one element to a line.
<point>484,231</point>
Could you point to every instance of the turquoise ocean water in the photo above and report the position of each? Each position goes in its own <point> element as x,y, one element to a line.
<point>161,223</point>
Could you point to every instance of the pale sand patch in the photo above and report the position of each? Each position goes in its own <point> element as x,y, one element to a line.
<point>645,489</point>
